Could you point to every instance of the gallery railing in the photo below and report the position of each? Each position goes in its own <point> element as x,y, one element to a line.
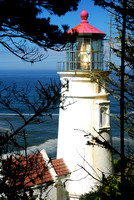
<point>81,66</point>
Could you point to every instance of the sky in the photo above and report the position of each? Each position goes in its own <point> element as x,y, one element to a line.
<point>98,18</point>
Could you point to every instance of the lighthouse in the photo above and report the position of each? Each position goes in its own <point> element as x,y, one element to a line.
<point>85,116</point>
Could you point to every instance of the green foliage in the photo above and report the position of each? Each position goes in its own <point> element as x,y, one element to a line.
<point>114,188</point>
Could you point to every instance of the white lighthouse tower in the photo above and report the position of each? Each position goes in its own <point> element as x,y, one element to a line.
<point>85,116</point>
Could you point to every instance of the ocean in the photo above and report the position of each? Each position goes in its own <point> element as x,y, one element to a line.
<point>43,134</point>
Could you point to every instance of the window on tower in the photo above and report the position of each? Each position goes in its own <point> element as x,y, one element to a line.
<point>103,116</point>
<point>103,113</point>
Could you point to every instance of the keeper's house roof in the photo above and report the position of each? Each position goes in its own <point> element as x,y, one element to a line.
<point>32,170</point>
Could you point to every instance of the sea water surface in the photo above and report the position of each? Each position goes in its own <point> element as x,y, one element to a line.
<point>43,134</point>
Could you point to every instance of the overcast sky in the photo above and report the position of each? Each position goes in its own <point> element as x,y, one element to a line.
<point>98,18</point>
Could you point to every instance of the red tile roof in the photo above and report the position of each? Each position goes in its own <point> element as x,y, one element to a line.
<point>31,170</point>
<point>60,167</point>
<point>27,170</point>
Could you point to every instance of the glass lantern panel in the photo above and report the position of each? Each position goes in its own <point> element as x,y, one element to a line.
<point>73,46</point>
<point>94,45</point>
<point>77,53</point>
<point>99,45</point>
<point>87,45</point>
<point>88,50</point>
<point>99,66</point>
<point>78,44</point>
<point>67,63</point>
<point>84,54</point>
<point>99,60</point>
<point>99,56</point>
<point>71,60</point>
<point>94,60</point>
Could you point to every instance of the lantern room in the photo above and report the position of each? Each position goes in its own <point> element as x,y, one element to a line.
<point>87,53</point>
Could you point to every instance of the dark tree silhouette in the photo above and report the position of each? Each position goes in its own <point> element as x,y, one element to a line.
<point>22,30</point>
<point>23,172</point>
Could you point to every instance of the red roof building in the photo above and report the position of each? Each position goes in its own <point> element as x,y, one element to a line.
<point>32,170</point>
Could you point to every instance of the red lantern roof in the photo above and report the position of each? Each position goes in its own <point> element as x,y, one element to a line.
<point>84,26</point>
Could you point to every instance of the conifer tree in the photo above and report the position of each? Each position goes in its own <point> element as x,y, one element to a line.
<point>23,28</point>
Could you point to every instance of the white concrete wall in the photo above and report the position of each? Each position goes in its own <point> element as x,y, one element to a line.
<point>46,194</point>
<point>79,118</point>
